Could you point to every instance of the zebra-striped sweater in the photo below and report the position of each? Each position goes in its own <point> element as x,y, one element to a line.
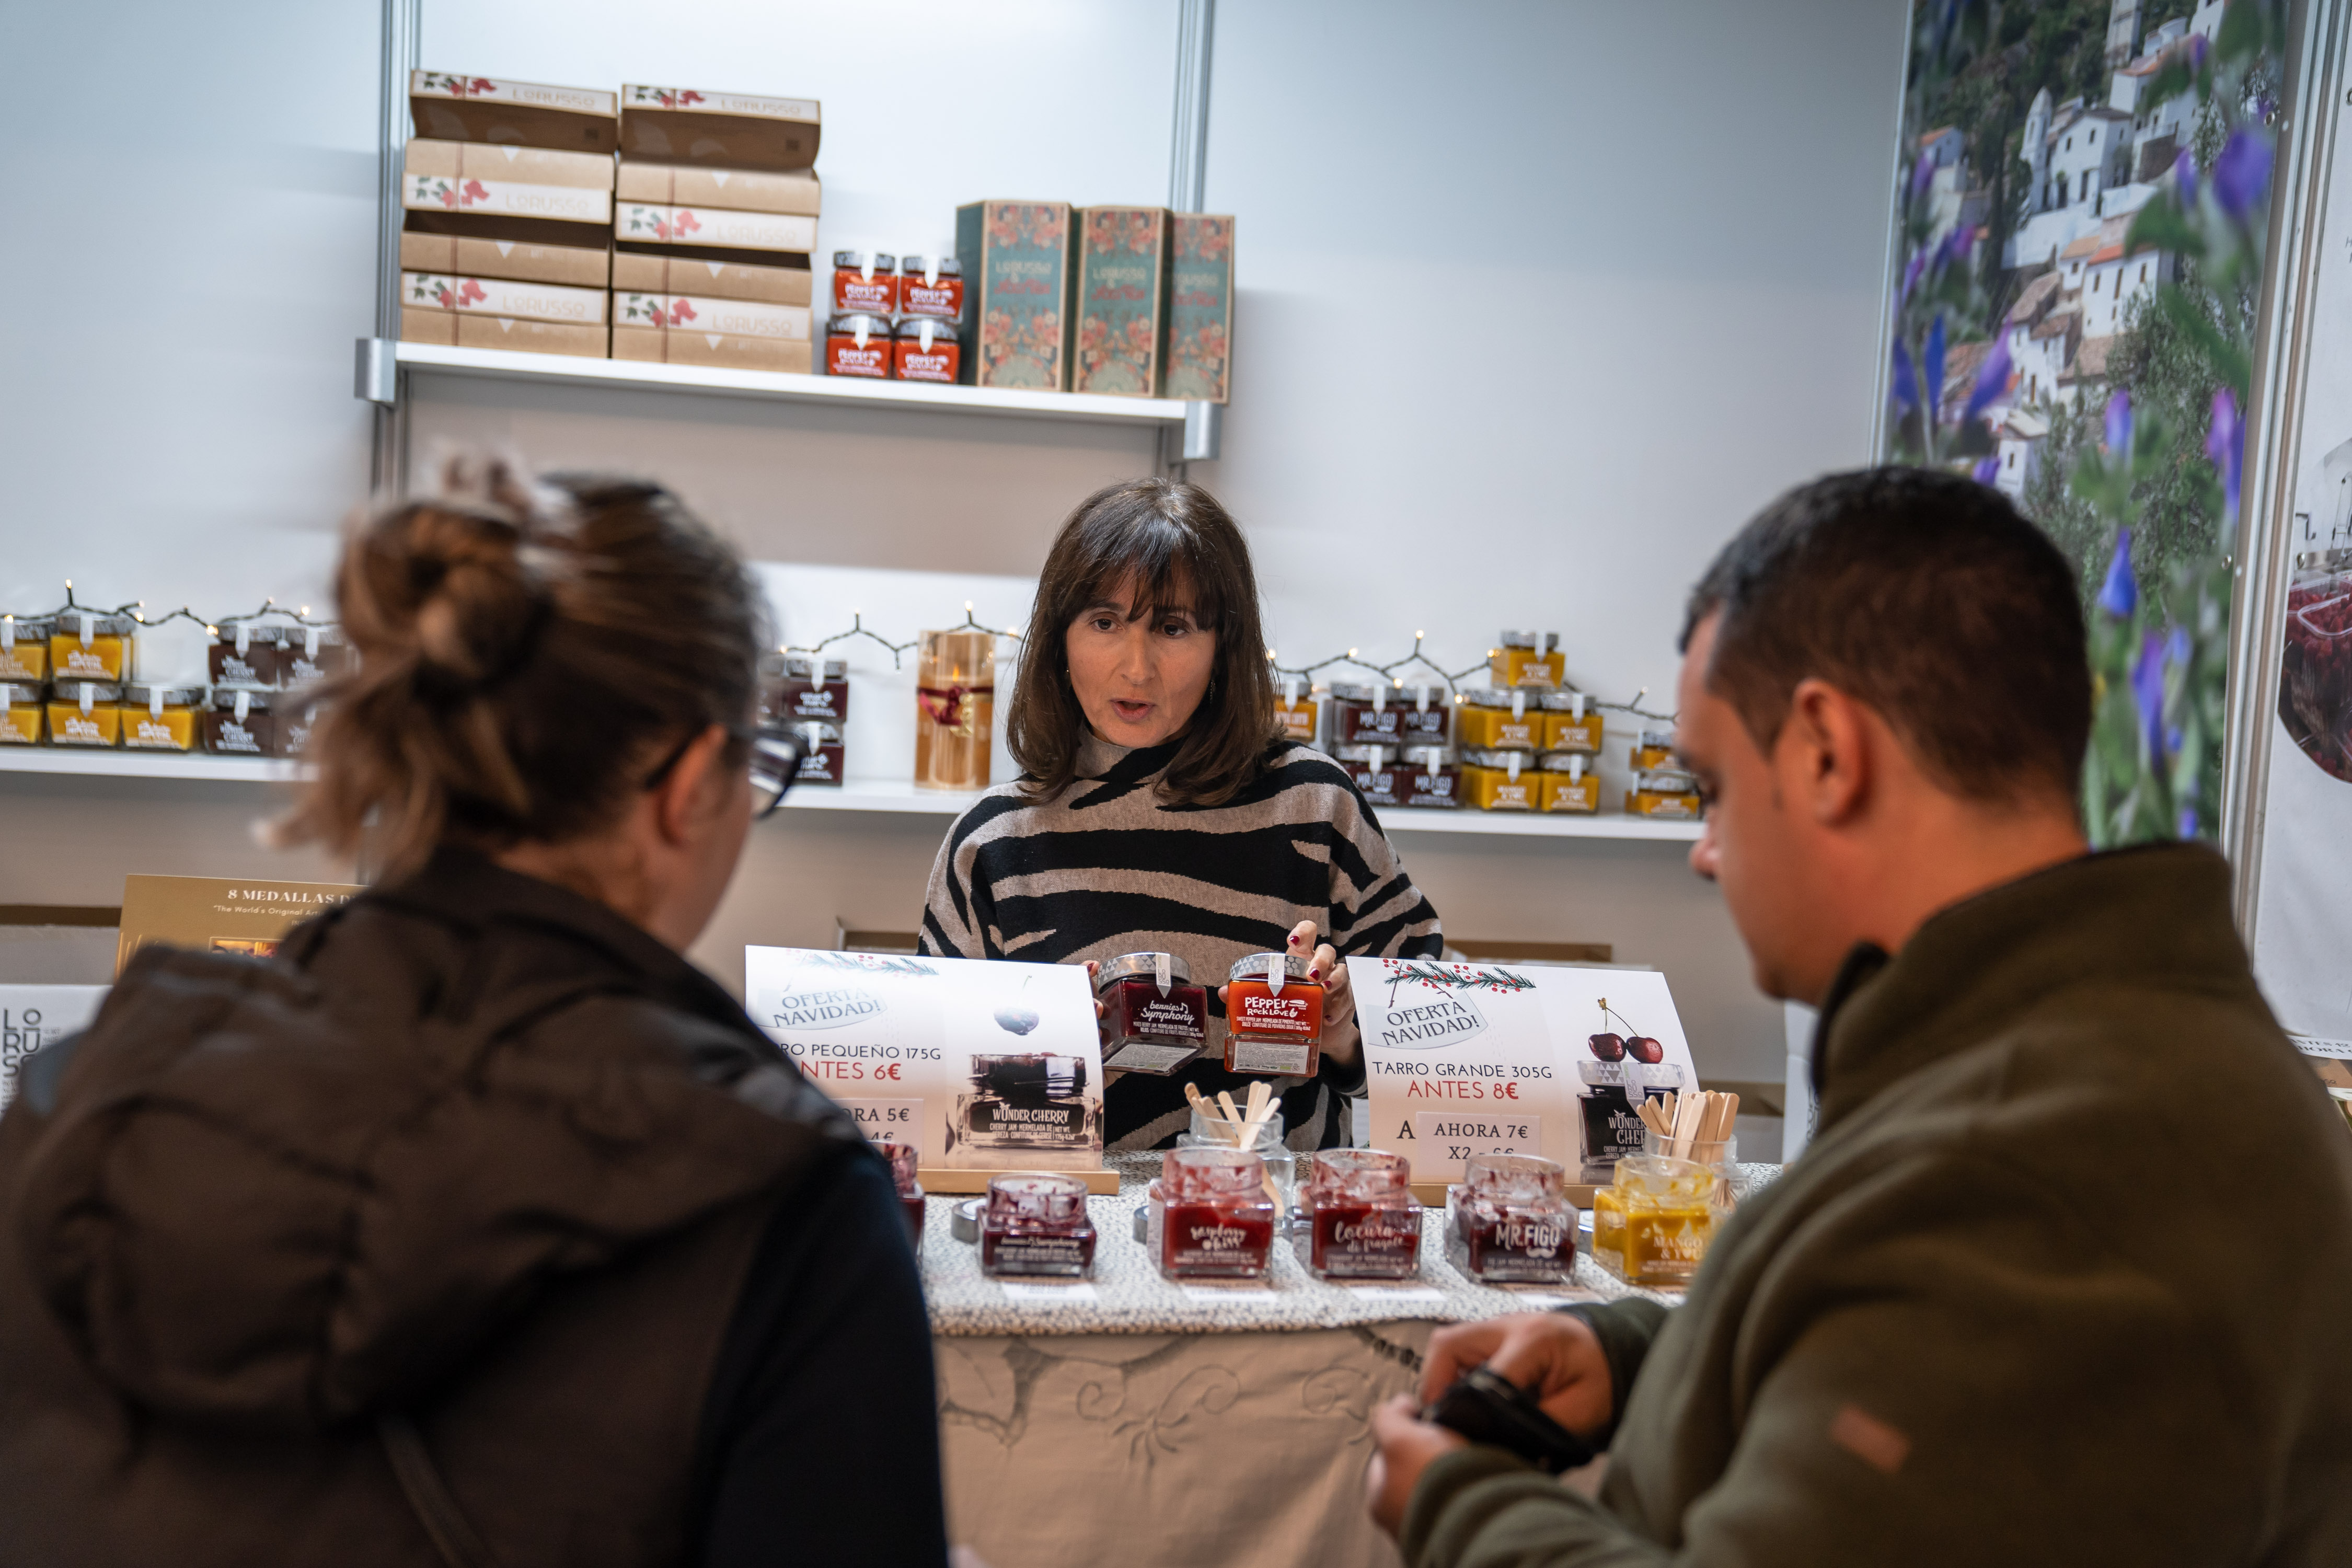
<point>1109,868</point>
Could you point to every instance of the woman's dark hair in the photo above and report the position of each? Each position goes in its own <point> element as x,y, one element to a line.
<point>526,651</point>
<point>1182,551</point>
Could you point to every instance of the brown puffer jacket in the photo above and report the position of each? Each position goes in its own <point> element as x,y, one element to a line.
<point>472,1152</point>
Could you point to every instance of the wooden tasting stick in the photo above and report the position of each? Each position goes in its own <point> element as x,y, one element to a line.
<point>1233,1113</point>
<point>1685,1126</point>
<point>1261,1101</point>
<point>1653,1121</point>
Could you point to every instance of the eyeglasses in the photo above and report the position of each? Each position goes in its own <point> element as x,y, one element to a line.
<point>776,753</point>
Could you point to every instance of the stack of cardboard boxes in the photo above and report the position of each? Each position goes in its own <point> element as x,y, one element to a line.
<point>713,230</point>
<point>1123,301</point>
<point>507,189</point>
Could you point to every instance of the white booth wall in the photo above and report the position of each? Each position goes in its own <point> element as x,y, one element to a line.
<point>1537,303</point>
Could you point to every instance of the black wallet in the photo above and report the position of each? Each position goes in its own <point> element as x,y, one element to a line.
<point>1489,1408</point>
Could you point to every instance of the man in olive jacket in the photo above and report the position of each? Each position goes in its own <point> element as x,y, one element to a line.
<point>2064,1275</point>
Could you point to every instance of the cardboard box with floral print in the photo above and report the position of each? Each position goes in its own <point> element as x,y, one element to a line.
<point>501,296</point>
<point>1018,261</point>
<point>578,266</point>
<point>1201,309</point>
<point>707,313</point>
<point>719,130</point>
<point>645,273</point>
<point>714,351</point>
<point>798,192</point>
<point>517,334</point>
<point>1122,296</point>
<point>714,228</point>
<point>454,107</point>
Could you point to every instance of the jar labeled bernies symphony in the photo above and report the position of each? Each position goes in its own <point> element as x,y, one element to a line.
<point>1030,1100</point>
<point>930,285</point>
<point>864,282</point>
<point>1154,1018</point>
<point>1274,1017</point>
<point>1035,1224</point>
<point>858,345</point>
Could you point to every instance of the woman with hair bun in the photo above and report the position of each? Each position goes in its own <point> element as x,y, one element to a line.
<point>478,1225</point>
<point>1159,812</point>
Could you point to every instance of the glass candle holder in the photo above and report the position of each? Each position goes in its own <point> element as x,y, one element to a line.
<point>1154,1019</point>
<point>1210,1218</point>
<point>1652,1224</point>
<point>1274,1017</point>
<point>1511,1220</point>
<point>955,709</point>
<point>1035,1224</point>
<point>1357,1218</point>
<point>904,1176</point>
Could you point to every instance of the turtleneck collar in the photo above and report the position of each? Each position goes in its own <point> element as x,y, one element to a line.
<point>1101,759</point>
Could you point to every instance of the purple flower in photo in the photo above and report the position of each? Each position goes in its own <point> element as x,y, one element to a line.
<point>2184,179</point>
<point>2120,425</point>
<point>1906,386</point>
<point>1931,367</point>
<point>1958,245</point>
<point>2147,690</point>
<point>2225,444</point>
<point>2188,826</point>
<point>2241,174</point>
<point>1922,173</point>
<point>1911,273</point>
<point>1989,470</point>
<point>1992,380</point>
<point>2119,595</point>
<point>2197,46</point>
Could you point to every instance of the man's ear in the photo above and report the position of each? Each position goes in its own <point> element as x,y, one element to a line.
<point>684,794</point>
<point>1824,752</point>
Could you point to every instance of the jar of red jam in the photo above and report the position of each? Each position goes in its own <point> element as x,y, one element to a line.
<point>794,686</point>
<point>1510,1220</point>
<point>930,285</point>
<point>1210,1215</point>
<point>1035,1224</point>
<point>858,345</point>
<point>925,348</point>
<point>823,755</point>
<point>1357,1218</point>
<point>905,1175</point>
<point>1431,781</point>
<point>1376,778</point>
<point>864,282</point>
<point>1383,714</point>
<point>1274,1017</point>
<point>1154,1018</point>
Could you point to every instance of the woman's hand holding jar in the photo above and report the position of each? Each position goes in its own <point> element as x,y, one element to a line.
<point>1341,1036</point>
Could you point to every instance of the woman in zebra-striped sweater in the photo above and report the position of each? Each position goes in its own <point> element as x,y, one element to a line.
<point>1159,812</point>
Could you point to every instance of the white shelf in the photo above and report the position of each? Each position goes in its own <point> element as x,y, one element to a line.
<point>566,370</point>
<point>887,795</point>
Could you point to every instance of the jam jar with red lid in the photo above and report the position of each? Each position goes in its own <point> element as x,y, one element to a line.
<point>858,345</point>
<point>930,285</point>
<point>864,282</point>
<point>927,348</point>
<point>907,1178</point>
<point>1154,1019</point>
<point>1273,1016</point>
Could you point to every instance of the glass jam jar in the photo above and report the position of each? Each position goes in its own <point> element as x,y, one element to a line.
<point>1497,720</point>
<point>84,713</point>
<point>21,717</point>
<point>858,345</point>
<point>1369,769</point>
<point>864,282</point>
<point>1035,1225</point>
<point>243,654</point>
<point>1653,750</point>
<point>906,1176</point>
<point>1571,723</point>
<point>823,755</point>
<point>158,718</point>
<point>1154,1018</point>
<point>1274,1017</point>
<point>1357,1218</point>
<point>1568,783</point>
<point>1529,659</point>
<point>313,654</point>
<point>240,724</point>
<point>1209,1215</point>
<point>24,647</point>
<point>1295,710</point>
<point>87,646</point>
<point>1500,781</point>
<point>925,348</point>
<point>795,685</point>
<point>1510,1220</point>
<point>930,285</point>
<point>1385,715</point>
<point>1431,781</point>
<point>1665,794</point>
<point>1652,1224</point>
<point>1610,1108</point>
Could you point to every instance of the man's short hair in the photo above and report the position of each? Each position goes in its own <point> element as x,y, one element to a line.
<point>1925,595</point>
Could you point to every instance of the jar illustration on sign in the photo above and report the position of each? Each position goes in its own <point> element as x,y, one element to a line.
<point>1031,1099</point>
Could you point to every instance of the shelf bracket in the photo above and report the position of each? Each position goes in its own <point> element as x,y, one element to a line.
<point>375,375</point>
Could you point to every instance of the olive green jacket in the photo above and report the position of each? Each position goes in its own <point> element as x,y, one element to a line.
<point>2064,1279</point>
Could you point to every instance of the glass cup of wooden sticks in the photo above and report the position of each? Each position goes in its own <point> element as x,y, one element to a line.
<point>1697,1127</point>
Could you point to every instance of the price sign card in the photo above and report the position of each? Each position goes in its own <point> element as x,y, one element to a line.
<point>1476,1058</point>
<point>981,1065</point>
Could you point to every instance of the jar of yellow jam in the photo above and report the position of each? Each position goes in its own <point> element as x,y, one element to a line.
<point>85,645</point>
<point>158,718</point>
<point>1500,781</point>
<point>1653,749</point>
<point>24,647</point>
<point>1295,710</point>
<point>1496,721</point>
<point>22,705</point>
<point>84,713</point>
<point>1572,724</point>
<point>1568,782</point>
<point>1664,793</point>
<point>1529,659</point>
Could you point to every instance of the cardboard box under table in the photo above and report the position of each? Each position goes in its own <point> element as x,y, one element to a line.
<point>737,334</point>
<point>453,107</point>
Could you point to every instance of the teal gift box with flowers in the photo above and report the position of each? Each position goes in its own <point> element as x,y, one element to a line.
<point>1123,273</point>
<point>1201,308</point>
<point>1018,261</point>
